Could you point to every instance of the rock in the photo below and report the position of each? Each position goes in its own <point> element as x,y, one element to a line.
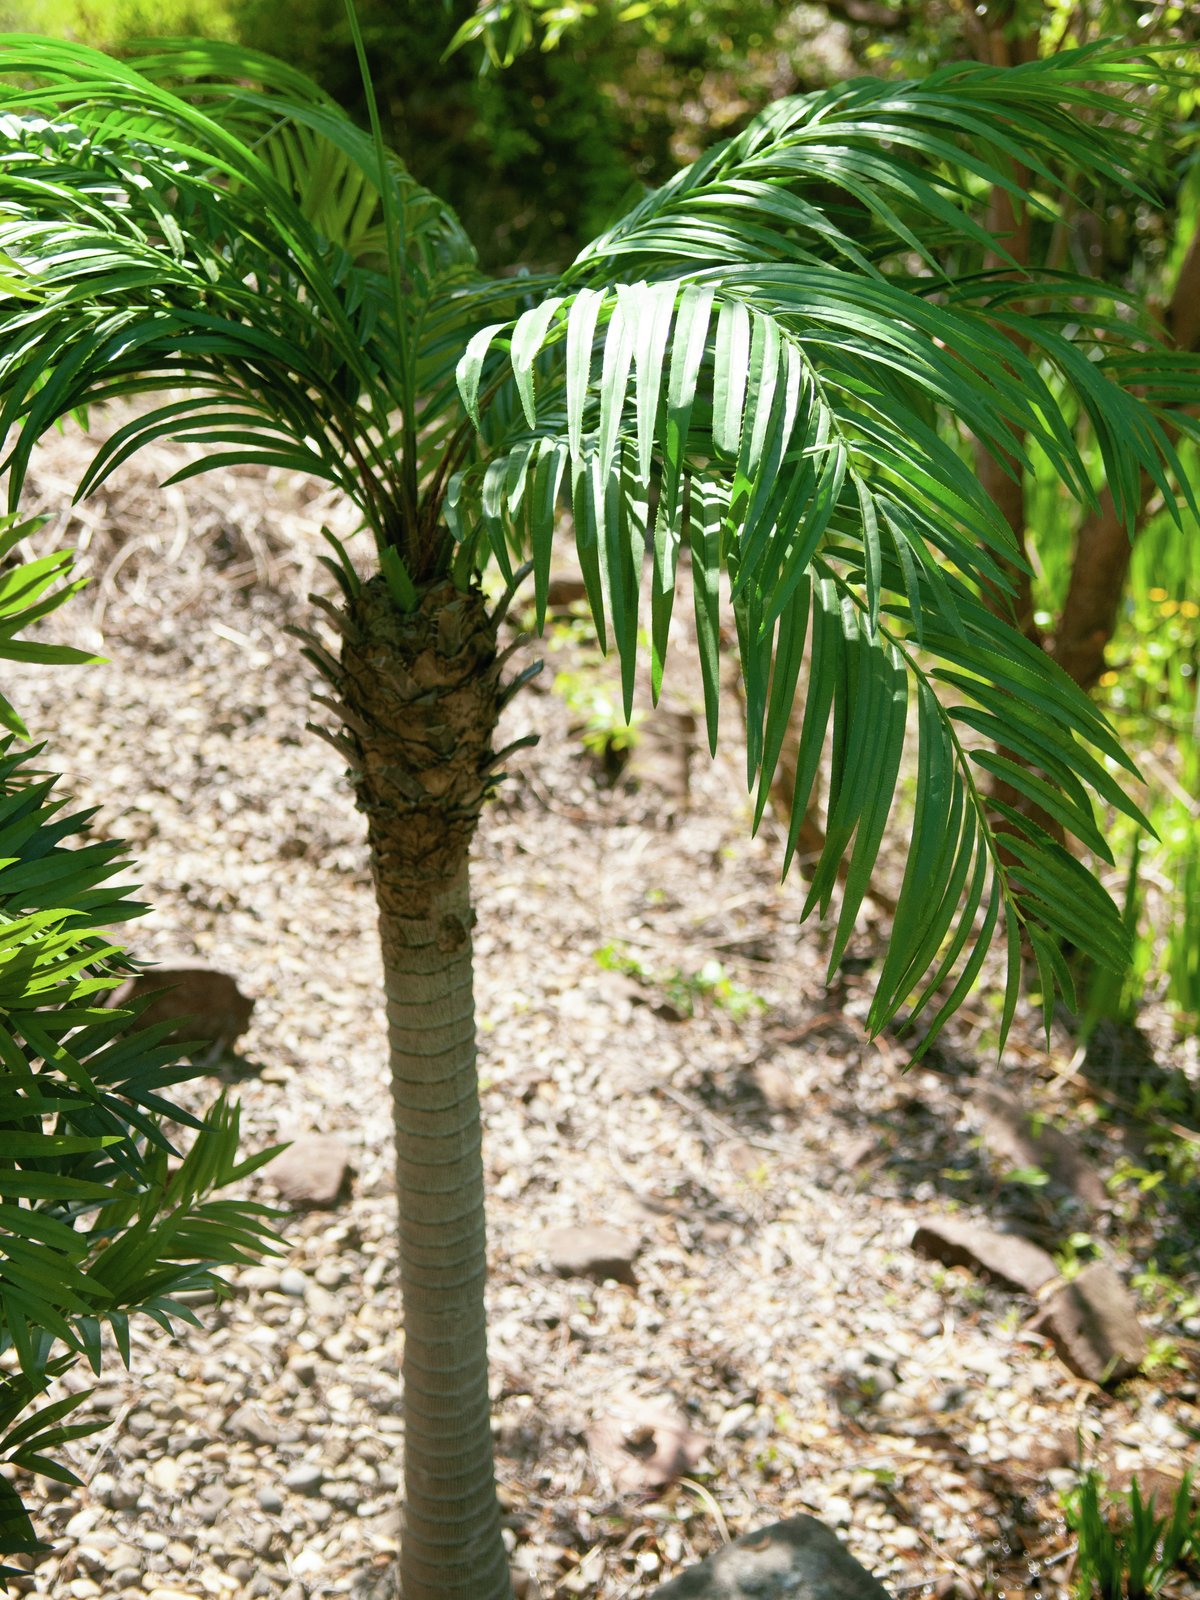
<point>312,1171</point>
<point>780,1089</point>
<point>208,1503</point>
<point>596,1252</point>
<point>252,1424</point>
<point>799,1559</point>
<point>565,590</point>
<point>121,1558</point>
<point>345,1493</point>
<point>661,756</point>
<point>1014,1262</point>
<point>293,1283</point>
<point>270,1500</point>
<point>305,1478</point>
<point>115,1495</point>
<point>1013,1138</point>
<point>1093,1324</point>
<point>206,1005</point>
<point>645,1444</point>
<point>260,1279</point>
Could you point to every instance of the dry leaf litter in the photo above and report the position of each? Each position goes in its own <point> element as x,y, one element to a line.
<point>761,1340</point>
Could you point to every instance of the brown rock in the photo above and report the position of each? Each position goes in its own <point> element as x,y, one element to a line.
<point>206,1004</point>
<point>1014,1262</point>
<point>1013,1138</point>
<point>645,1444</point>
<point>1093,1324</point>
<point>661,757</point>
<point>312,1171</point>
<point>799,1559</point>
<point>564,590</point>
<point>593,1252</point>
<point>781,1090</point>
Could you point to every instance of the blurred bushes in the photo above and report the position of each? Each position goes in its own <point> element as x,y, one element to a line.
<point>536,159</point>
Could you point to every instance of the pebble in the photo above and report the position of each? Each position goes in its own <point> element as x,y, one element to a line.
<point>293,1282</point>
<point>253,1424</point>
<point>269,1499</point>
<point>261,1279</point>
<point>305,1478</point>
<point>114,1494</point>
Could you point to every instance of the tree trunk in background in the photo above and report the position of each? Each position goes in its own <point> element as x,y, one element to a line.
<point>1103,551</point>
<point>991,32</point>
<point>419,697</point>
<point>1104,548</point>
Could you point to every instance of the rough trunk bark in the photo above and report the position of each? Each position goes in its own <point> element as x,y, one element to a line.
<point>419,698</point>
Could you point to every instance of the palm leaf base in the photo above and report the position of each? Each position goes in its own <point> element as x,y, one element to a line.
<point>419,698</point>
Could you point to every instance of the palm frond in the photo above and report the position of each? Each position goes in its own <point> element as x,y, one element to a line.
<point>791,423</point>
<point>204,219</point>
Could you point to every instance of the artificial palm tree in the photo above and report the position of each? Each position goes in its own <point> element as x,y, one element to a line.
<point>750,374</point>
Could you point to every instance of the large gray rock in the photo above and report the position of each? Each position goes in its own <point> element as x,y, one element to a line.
<point>1014,1262</point>
<point>794,1560</point>
<point>1093,1324</point>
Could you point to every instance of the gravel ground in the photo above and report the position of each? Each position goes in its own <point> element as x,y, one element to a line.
<point>768,1161</point>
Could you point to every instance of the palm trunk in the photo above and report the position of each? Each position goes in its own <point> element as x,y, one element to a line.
<point>418,694</point>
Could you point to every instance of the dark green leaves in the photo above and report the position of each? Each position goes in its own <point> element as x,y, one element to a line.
<point>89,1229</point>
<point>755,379</point>
<point>776,393</point>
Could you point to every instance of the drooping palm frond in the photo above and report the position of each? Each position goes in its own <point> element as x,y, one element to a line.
<point>776,396</point>
<point>207,220</point>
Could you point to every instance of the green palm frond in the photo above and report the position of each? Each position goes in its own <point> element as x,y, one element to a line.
<point>790,424</point>
<point>763,371</point>
<point>180,224</point>
<point>855,173</point>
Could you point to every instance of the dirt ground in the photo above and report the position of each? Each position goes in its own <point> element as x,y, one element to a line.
<point>660,1051</point>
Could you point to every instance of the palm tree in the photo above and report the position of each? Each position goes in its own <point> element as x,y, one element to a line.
<point>748,375</point>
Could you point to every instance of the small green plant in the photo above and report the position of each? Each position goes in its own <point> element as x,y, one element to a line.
<point>600,719</point>
<point>684,989</point>
<point>1126,1172</point>
<point>1163,1352</point>
<point>1162,1290</point>
<point>1027,1177</point>
<point>1074,1255</point>
<point>591,687</point>
<point>1129,1557</point>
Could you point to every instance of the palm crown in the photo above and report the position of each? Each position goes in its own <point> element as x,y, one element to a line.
<point>752,365</point>
<point>762,368</point>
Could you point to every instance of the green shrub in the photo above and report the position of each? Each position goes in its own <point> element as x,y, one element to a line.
<point>94,1223</point>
